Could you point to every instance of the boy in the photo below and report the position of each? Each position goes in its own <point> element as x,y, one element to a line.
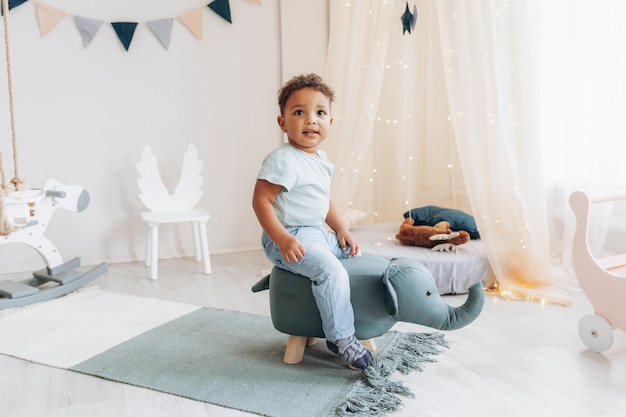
<point>292,202</point>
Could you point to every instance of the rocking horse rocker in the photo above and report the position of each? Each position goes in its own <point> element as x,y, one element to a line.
<point>24,216</point>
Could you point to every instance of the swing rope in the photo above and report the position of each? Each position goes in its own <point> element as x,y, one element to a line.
<point>16,182</point>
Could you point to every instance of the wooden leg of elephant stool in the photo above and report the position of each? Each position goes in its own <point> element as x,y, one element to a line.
<point>296,344</point>
<point>370,344</point>
<point>295,349</point>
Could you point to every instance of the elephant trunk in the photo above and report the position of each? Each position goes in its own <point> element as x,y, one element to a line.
<point>463,315</point>
<point>412,296</point>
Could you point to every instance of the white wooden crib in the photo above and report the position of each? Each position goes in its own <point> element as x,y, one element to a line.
<point>603,280</point>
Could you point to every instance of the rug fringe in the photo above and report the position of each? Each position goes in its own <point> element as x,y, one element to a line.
<point>378,394</point>
<point>364,400</point>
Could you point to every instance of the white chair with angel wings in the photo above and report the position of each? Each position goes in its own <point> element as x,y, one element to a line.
<point>178,207</point>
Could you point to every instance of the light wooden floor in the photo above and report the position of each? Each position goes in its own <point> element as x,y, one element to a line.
<point>517,359</point>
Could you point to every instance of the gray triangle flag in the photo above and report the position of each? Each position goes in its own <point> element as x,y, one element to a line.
<point>163,30</point>
<point>87,28</point>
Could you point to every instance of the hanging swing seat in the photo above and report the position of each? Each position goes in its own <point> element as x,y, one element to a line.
<point>20,206</point>
<point>47,283</point>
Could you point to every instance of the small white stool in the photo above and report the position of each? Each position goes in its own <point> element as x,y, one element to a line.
<point>198,219</point>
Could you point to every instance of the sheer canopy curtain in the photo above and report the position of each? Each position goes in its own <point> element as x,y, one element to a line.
<point>492,76</point>
<point>461,84</point>
<point>518,102</point>
<point>391,144</point>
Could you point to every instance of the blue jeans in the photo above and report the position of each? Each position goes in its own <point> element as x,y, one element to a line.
<point>329,279</point>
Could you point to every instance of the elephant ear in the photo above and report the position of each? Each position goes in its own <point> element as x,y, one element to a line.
<point>392,296</point>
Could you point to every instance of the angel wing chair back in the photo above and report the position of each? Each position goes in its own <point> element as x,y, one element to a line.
<point>179,207</point>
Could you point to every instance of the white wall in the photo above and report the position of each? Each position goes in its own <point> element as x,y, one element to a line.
<point>83,115</point>
<point>304,40</point>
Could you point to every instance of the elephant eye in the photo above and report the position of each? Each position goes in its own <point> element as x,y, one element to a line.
<point>428,293</point>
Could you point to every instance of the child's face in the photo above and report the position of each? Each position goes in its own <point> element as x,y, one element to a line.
<point>306,119</point>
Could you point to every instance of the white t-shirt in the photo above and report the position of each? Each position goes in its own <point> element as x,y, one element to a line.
<point>304,199</point>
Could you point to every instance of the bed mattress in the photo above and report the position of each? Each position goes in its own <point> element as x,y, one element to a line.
<point>454,273</point>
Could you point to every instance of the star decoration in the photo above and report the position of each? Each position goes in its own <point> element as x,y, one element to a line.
<point>408,19</point>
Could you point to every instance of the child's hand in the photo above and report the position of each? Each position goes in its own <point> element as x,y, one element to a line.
<point>291,248</point>
<point>346,240</point>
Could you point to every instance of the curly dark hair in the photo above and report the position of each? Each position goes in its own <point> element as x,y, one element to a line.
<point>301,81</point>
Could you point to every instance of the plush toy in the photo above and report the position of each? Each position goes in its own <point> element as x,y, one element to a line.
<point>438,237</point>
<point>382,292</point>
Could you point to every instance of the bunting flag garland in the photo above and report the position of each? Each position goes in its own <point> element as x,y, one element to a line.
<point>193,22</point>
<point>48,17</point>
<point>87,28</point>
<point>163,30</point>
<point>222,8</point>
<point>125,32</point>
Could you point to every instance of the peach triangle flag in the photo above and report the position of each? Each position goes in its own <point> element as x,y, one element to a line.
<point>256,1</point>
<point>48,17</point>
<point>193,22</point>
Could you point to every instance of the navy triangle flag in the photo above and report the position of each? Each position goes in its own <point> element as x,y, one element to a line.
<point>125,32</point>
<point>222,8</point>
<point>12,4</point>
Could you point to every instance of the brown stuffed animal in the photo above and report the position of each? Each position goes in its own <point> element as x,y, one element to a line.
<point>431,236</point>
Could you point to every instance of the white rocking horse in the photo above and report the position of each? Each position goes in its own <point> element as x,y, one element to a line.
<point>29,213</point>
<point>24,216</point>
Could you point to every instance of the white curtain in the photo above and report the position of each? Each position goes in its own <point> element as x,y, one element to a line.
<point>583,60</point>
<point>492,74</point>
<point>498,107</point>
<point>391,143</point>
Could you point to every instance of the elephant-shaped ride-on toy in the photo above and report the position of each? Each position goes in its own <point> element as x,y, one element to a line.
<point>383,292</point>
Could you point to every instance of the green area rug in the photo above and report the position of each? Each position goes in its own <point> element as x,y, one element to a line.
<point>234,360</point>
